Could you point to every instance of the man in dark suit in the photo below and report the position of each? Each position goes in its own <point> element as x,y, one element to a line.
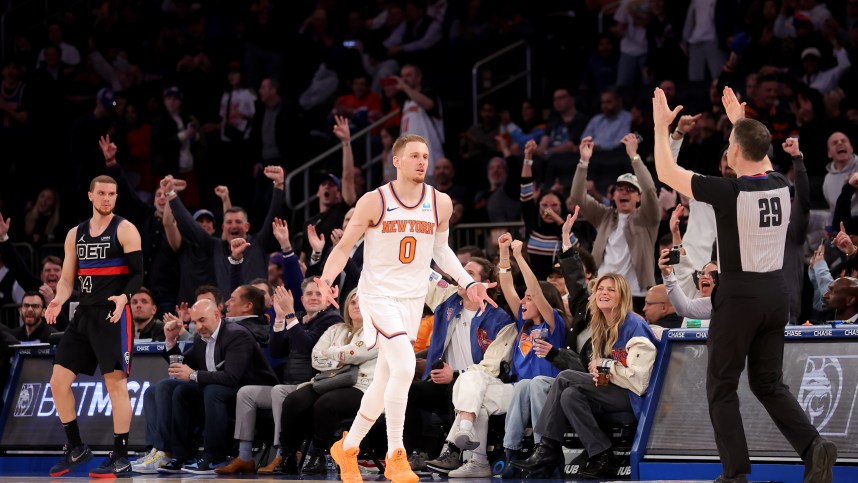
<point>224,357</point>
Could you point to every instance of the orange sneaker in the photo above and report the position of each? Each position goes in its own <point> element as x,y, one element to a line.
<point>397,469</point>
<point>346,459</point>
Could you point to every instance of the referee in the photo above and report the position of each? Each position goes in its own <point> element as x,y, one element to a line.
<point>749,315</point>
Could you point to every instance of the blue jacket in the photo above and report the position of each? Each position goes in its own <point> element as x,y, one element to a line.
<point>484,329</point>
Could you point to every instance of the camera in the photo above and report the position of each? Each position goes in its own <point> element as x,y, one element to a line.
<point>673,256</point>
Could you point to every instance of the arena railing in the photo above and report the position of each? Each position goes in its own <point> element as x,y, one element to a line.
<point>483,235</point>
<point>477,96</point>
<point>302,173</point>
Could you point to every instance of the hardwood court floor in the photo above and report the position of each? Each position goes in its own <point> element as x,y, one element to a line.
<point>224,479</point>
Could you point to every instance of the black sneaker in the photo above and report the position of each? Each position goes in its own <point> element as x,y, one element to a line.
<point>113,467</point>
<point>71,458</point>
<point>174,466</point>
<point>202,466</point>
<point>447,461</point>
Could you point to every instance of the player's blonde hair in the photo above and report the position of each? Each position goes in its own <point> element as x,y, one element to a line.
<point>403,140</point>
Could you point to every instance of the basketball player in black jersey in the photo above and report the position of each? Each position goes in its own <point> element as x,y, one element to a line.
<point>749,315</point>
<point>104,254</point>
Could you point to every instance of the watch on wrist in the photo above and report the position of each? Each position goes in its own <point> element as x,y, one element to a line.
<point>528,162</point>
<point>193,376</point>
<point>289,316</point>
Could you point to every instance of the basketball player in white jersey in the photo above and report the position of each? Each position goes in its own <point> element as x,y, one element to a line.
<point>406,223</point>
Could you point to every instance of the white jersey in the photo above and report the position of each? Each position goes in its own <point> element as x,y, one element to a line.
<point>398,249</point>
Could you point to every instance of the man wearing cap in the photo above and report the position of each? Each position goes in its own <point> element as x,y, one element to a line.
<point>626,230</point>
<point>174,134</point>
<point>336,197</point>
<point>826,80</point>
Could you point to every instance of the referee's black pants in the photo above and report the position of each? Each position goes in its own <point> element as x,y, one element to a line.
<point>748,320</point>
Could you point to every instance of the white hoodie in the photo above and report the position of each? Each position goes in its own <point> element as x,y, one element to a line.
<point>834,181</point>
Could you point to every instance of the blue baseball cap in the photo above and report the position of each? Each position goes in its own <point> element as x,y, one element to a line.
<point>174,92</point>
<point>200,213</point>
<point>106,98</point>
<point>334,179</point>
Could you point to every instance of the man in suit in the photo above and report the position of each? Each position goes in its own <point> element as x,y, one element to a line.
<point>224,357</point>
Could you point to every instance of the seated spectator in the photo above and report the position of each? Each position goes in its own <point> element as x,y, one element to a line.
<point>528,126</point>
<point>246,307</point>
<point>577,267</point>
<point>601,70</point>
<point>565,127</point>
<point>223,358</point>
<point>658,310</point>
<point>610,127</point>
<point>417,35</point>
<point>696,309</point>
<point>841,299</point>
<point>42,218</point>
<point>444,175</point>
<point>624,344</point>
<point>460,337</point>
<point>316,415</point>
<point>626,231</point>
<point>143,310</point>
<point>70,55</point>
<point>35,329</point>
<point>293,336</point>
<point>499,203</point>
<point>479,393</point>
<point>19,279</point>
<point>479,142</point>
<point>362,106</point>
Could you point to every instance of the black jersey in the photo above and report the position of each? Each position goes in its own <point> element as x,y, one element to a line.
<point>102,270</point>
<point>752,215</point>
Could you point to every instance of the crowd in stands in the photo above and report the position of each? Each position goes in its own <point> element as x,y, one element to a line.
<point>201,109</point>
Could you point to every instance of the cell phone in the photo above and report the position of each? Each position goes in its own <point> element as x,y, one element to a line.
<point>349,44</point>
<point>639,138</point>
<point>439,364</point>
<point>673,256</point>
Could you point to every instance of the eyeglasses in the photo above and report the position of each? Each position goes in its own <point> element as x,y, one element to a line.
<point>710,274</point>
<point>653,303</point>
<point>624,188</point>
<point>31,306</point>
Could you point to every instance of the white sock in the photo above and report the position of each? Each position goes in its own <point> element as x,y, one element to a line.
<point>466,425</point>
<point>399,354</point>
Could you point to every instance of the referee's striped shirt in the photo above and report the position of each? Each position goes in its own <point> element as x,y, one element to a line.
<point>752,215</point>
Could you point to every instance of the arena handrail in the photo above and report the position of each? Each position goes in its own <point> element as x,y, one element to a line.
<point>305,169</point>
<point>477,96</point>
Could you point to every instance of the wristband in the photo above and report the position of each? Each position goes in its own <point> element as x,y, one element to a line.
<point>680,132</point>
<point>4,238</point>
<point>503,269</point>
<point>677,247</point>
<point>170,193</point>
<point>234,261</point>
<point>469,285</point>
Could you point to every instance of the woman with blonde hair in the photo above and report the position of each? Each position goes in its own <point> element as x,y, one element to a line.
<point>624,351</point>
<point>315,412</point>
